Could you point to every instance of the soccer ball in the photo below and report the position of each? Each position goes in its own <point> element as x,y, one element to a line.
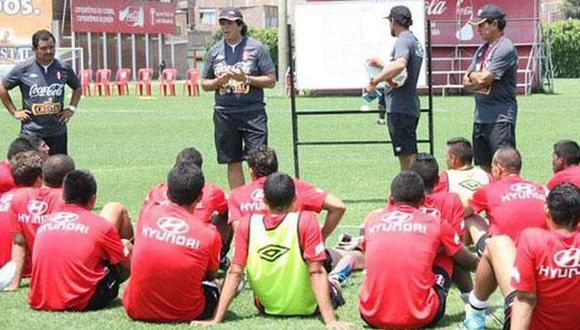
<point>399,79</point>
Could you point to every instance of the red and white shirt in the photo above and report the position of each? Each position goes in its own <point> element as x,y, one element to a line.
<point>5,228</point>
<point>6,179</point>
<point>400,245</point>
<point>68,257</point>
<point>213,200</point>
<point>449,208</point>
<point>512,204</point>
<point>249,199</point>
<point>173,251</point>
<point>548,264</point>
<point>309,237</point>
<point>570,174</point>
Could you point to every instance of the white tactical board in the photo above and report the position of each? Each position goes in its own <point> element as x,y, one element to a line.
<point>335,38</point>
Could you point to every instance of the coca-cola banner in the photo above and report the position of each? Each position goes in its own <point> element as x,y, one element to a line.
<point>123,16</point>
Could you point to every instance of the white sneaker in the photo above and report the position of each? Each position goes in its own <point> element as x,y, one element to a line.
<point>7,274</point>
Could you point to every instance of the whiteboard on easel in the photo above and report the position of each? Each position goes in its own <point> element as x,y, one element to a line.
<point>334,40</point>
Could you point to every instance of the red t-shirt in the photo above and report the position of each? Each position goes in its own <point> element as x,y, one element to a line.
<point>6,180</point>
<point>448,207</point>
<point>512,204</point>
<point>401,244</point>
<point>570,174</point>
<point>548,264</point>
<point>213,200</point>
<point>30,209</point>
<point>68,258</point>
<point>309,237</point>
<point>249,199</point>
<point>173,251</point>
<point>5,228</point>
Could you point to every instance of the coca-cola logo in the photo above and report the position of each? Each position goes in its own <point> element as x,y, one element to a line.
<point>132,16</point>
<point>51,90</point>
<point>435,7</point>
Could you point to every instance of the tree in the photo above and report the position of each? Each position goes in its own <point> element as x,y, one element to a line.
<point>571,8</point>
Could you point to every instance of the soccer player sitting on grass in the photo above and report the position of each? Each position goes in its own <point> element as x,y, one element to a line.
<point>404,287</point>
<point>511,203</point>
<point>31,207</point>
<point>26,169</point>
<point>212,208</point>
<point>565,163</point>
<point>461,177</point>
<point>283,252</point>
<point>176,255</point>
<point>448,207</point>
<point>20,144</point>
<point>79,258</point>
<point>546,276</point>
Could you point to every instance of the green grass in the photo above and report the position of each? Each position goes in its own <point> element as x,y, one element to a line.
<point>130,143</point>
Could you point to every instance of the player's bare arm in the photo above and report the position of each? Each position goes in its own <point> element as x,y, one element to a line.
<point>522,310</point>
<point>68,112</point>
<point>22,115</point>
<point>18,257</point>
<point>209,85</point>
<point>390,71</point>
<point>264,81</point>
<point>319,281</point>
<point>335,211</point>
<point>481,79</point>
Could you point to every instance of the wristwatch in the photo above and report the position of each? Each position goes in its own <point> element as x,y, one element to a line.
<point>72,108</point>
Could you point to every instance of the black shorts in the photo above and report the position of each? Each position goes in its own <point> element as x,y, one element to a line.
<point>403,132</point>
<point>57,144</point>
<point>107,289</point>
<point>442,289</point>
<point>238,133</point>
<point>487,138</point>
<point>212,296</point>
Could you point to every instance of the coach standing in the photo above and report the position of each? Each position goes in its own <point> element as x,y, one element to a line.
<point>42,82</point>
<point>402,103</point>
<point>492,75</point>
<point>238,68</point>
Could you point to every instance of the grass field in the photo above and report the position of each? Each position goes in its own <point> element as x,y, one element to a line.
<point>130,144</point>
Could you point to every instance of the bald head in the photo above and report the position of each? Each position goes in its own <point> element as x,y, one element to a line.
<point>55,169</point>
<point>509,159</point>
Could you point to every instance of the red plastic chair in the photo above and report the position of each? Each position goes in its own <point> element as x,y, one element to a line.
<point>86,80</point>
<point>122,81</point>
<point>191,82</point>
<point>102,82</point>
<point>144,77</point>
<point>168,77</point>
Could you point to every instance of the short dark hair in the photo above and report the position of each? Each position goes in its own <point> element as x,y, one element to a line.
<point>41,35</point>
<point>190,155</point>
<point>279,191</point>
<point>564,205</point>
<point>263,161</point>
<point>79,187</point>
<point>501,22</point>
<point>26,167</point>
<point>510,158</point>
<point>407,188</point>
<point>19,144</point>
<point>244,31</point>
<point>184,183</point>
<point>426,166</point>
<point>55,168</point>
<point>461,148</point>
<point>568,150</point>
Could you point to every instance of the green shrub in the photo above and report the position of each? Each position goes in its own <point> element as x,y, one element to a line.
<point>565,42</point>
<point>268,37</point>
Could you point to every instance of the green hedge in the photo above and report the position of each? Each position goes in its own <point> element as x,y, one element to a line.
<point>565,42</point>
<point>268,37</point>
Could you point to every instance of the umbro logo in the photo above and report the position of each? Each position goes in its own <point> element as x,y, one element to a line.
<point>470,185</point>
<point>272,252</point>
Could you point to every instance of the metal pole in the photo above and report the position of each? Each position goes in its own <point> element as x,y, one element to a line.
<point>172,38</point>
<point>147,50</point>
<point>133,57</point>
<point>119,51</point>
<point>160,49</point>
<point>430,84</point>
<point>105,62</point>
<point>90,50</point>
<point>282,43</point>
<point>293,105</point>
<point>73,46</point>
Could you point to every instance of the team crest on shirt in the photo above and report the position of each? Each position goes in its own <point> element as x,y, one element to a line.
<point>36,207</point>
<point>272,252</point>
<point>431,211</point>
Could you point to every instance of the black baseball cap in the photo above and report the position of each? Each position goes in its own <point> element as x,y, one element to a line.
<point>400,14</point>
<point>231,14</point>
<point>487,12</point>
